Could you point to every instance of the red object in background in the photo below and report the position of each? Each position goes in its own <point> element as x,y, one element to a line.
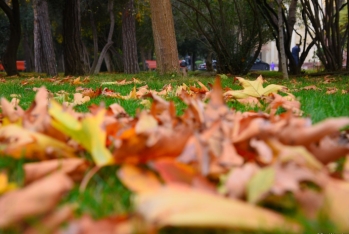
<point>20,66</point>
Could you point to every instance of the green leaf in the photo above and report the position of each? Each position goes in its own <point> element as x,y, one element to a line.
<point>260,183</point>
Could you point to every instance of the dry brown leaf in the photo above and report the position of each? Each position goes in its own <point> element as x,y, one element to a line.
<point>52,221</point>
<point>109,225</point>
<point>73,167</point>
<point>37,198</point>
<point>310,87</point>
<point>236,182</point>
<point>305,135</point>
<point>336,204</point>
<point>331,90</point>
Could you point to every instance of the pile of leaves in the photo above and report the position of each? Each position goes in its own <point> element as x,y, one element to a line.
<point>211,167</point>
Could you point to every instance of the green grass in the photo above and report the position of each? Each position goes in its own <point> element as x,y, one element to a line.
<point>105,195</point>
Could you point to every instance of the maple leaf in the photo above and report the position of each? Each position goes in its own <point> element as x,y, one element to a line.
<point>17,142</point>
<point>37,198</point>
<point>254,89</point>
<point>137,179</point>
<point>187,207</point>
<point>88,132</point>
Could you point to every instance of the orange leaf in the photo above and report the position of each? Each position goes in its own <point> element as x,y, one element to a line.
<point>138,180</point>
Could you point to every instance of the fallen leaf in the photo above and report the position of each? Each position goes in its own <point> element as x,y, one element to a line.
<point>138,180</point>
<point>37,198</point>
<point>260,184</point>
<point>5,185</point>
<point>18,142</point>
<point>73,167</point>
<point>181,206</point>
<point>89,132</point>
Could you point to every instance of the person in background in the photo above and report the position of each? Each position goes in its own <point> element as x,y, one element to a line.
<point>272,66</point>
<point>295,53</point>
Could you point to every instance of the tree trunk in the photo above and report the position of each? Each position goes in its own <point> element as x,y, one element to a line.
<point>9,58</point>
<point>129,42</point>
<point>108,62</point>
<point>28,53</point>
<point>110,37</point>
<point>142,55</point>
<point>164,37</point>
<point>74,61</point>
<point>281,41</point>
<point>45,58</point>
<point>95,43</point>
<point>347,65</point>
<point>209,67</point>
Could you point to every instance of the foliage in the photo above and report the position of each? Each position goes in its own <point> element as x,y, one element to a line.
<point>233,29</point>
<point>209,166</point>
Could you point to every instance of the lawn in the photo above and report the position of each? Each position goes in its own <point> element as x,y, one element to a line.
<point>320,98</point>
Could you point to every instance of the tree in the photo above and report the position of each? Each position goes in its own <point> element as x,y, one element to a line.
<point>281,41</point>
<point>74,60</point>
<point>10,56</point>
<point>269,10</point>
<point>164,36</point>
<point>325,29</point>
<point>110,37</point>
<point>233,29</point>
<point>129,39</point>
<point>45,59</point>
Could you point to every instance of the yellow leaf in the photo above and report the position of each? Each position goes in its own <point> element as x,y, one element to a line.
<point>17,142</point>
<point>5,186</point>
<point>254,89</point>
<point>88,132</point>
<point>336,203</point>
<point>183,206</point>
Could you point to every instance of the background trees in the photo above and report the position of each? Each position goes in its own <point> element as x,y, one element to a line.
<point>9,57</point>
<point>119,35</point>
<point>233,29</point>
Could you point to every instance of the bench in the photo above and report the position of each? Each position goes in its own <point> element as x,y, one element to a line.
<point>20,66</point>
<point>151,64</point>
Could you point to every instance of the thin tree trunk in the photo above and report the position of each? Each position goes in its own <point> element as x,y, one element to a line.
<point>347,65</point>
<point>108,62</point>
<point>9,58</point>
<point>142,55</point>
<point>28,53</point>
<point>37,40</point>
<point>129,42</point>
<point>95,42</point>
<point>281,41</point>
<point>164,37</point>
<point>74,61</point>
<point>110,37</point>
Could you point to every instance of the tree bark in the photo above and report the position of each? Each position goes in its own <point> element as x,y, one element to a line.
<point>95,42</point>
<point>109,62</point>
<point>44,54</point>
<point>110,37</point>
<point>129,42</point>
<point>9,58</point>
<point>28,53</point>
<point>347,65</point>
<point>164,37</point>
<point>74,61</point>
<point>281,41</point>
